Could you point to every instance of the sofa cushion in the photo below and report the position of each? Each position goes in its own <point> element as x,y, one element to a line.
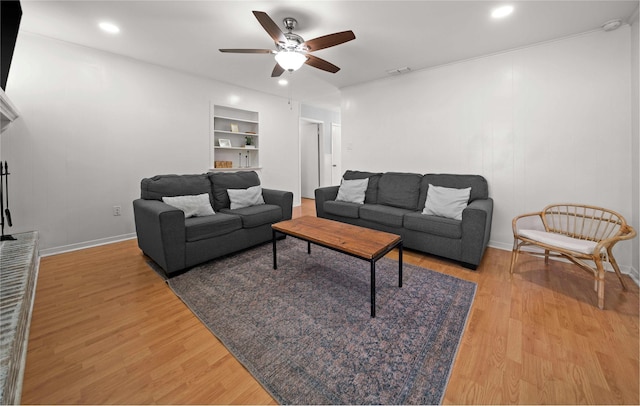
<point>344,209</point>
<point>160,186</point>
<point>371,195</point>
<point>477,183</point>
<point>255,216</point>
<point>221,181</point>
<point>389,216</point>
<point>561,241</point>
<point>201,228</point>
<point>435,225</point>
<point>399,190</point>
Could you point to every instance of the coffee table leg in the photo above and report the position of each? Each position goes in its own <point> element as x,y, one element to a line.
<point>400,265</point>
<point>308,247</point>
<point>373,288</point>
<point>275,261</point>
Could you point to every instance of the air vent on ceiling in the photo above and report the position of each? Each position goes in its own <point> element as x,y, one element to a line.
<point>612,25</point>
<point>398,71</point>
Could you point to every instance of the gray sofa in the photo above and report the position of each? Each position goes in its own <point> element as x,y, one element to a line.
<point>177,243</point>
<point>394,203</point>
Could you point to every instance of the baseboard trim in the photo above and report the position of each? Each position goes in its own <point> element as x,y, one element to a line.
<point>87,244</point>
<point>500,245</point>
<point>634,274</point>
<point>625,269</point>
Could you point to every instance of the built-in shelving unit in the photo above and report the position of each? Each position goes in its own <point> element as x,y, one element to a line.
<point>8,111</point>
<point>233,128</point>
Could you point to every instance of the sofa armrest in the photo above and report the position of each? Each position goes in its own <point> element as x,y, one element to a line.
<point>161,233</point>
<point>279,198</point>
<point>325,194</point>
<point>476,230</point>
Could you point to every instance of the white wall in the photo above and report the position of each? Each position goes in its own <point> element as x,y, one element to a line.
<point>548,123</point>
<point>635,112</point>
<point>93,124</point>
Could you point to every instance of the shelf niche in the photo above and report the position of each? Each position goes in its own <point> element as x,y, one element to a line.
<point>8,112</point>
<point>233,125</point>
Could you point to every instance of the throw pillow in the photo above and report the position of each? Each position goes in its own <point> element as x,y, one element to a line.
<point>352,191</point>
<point>446,202</point>
<point>245,197</point>
<point>191,205</point>
<point>222,181</point>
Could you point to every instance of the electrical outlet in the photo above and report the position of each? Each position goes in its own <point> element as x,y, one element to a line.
<point>116,210</point>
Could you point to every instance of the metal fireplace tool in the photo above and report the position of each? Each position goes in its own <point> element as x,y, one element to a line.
<point>5,214</point>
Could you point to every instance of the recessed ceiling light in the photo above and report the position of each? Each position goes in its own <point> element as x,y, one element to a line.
<point>109,27</point>
<point>283,82</point>
<point>502,12</point>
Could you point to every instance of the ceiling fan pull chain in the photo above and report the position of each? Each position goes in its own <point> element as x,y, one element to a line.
<point>290,93</point>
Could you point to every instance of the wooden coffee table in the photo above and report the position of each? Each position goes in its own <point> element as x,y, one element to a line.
<point>359,242</point>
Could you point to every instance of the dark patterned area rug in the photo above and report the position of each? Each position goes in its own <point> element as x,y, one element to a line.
<point>304,331</point>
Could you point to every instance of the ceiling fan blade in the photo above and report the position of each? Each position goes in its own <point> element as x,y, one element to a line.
<point>330,40</point>
<point>321,64</point>
<point>269,26</point>
<point>247,51</point>
<point>277,71</point>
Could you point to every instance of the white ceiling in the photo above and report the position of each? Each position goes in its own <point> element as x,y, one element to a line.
<point>186,35</point>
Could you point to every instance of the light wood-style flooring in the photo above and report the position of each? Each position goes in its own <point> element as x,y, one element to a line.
<point>107,330</point>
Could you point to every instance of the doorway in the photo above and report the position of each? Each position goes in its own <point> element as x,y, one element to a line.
<point>310,152</point>
<point>336,154</point>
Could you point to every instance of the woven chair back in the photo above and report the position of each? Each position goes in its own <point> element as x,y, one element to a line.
<point>583,222</point>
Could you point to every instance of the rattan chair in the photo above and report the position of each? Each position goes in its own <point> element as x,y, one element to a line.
<point>585,235</point>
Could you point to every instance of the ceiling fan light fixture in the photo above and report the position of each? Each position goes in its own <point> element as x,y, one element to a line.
<point>290,60</point>
<point>292,51</point>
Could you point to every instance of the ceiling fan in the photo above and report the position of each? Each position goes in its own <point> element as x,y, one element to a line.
<point>292,51</point>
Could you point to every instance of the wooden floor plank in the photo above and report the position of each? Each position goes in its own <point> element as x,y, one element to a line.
<point>107,330</point>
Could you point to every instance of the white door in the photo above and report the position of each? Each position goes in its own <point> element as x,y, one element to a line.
<point>336,154</point>
<point>309,162</point>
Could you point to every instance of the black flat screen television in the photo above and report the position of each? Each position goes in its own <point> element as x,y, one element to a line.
<point>10,15</point>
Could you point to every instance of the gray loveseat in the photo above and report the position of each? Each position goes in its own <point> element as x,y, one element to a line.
<point>176,243</point>
<point>394,203</point>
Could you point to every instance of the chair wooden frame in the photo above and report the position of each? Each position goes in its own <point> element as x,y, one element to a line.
<point>580,222</point>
